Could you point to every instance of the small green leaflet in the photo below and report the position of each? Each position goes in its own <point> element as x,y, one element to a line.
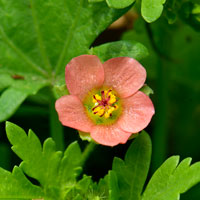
<point>172,179</point>
<point>130,175</point>
<point>119,3</point>
<point>119,49</point>
<point>152,9</point>
<point>16,186</point>
<point>146,89</point>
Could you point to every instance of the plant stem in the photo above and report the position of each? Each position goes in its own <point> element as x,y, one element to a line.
<point>56,129</point>
<point>87,152</point>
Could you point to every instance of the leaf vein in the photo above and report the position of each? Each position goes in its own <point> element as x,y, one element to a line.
<point>20,53</point>
<point>68,40</point>
<point>39,37</point>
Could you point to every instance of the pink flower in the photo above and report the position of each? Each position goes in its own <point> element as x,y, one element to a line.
<point>104,99</point>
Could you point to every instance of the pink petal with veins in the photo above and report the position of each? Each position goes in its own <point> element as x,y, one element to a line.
<point>137,112</point>
<point>109,135</point>
<point>71,113</point>
<point>84,73</point>
<point>125,75</point>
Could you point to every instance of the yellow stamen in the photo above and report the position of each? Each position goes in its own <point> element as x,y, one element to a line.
<point>96,98</point>
<point>97,109</point>
<point>112,99</point>
<point>101,112</point>
<point>109,112</point>
<point>107,115</point>
<point>116,107</point>
<point>105,104</point>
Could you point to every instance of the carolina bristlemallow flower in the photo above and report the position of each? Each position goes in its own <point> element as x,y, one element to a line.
<point>104,100</point>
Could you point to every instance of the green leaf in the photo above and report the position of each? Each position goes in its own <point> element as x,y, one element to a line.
<point>93,1</point>
<point>15,185</point>
<point>152,9</point>
<point>147,90</point>
<point>196,9</point>
<point>113,185</point>
<point>14,95</point>
<point>56,174</point>
<point>119,3</point>
<point>84,183</point>
<point>120,48</point>
<point>10,100</point>
<point>38,163</point>
<point>60,91</point>
<point>36,42</point>
<point>171,179</point>
<point>132,172</point>
<point>70,164</point>
<point>85,136</point>
<point>5,81</point>
<point>102,188</point>
<point>82,189</point>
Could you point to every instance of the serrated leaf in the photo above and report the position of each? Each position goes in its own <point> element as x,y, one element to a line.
<point>56,174</point>
<point>102,188</point>
<point>172,179</point>
<point>82,190</point>
<point>119,3</point>
<point>152,9</point>
<point>16,186</point>
<point>70,164</point>
<point>84,183</point>
<point>39,163</point>
<point>120,48</point>
<point>36,42</point>
<point>132,172</point>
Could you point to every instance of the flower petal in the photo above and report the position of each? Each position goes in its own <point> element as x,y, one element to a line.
<point>109,135</point>
<point>137,112</point>
<point>125,75</point>
<point>71,113</point>
<point>84,73</point>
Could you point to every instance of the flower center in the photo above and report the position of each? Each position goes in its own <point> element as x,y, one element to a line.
<point>105,104</point>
